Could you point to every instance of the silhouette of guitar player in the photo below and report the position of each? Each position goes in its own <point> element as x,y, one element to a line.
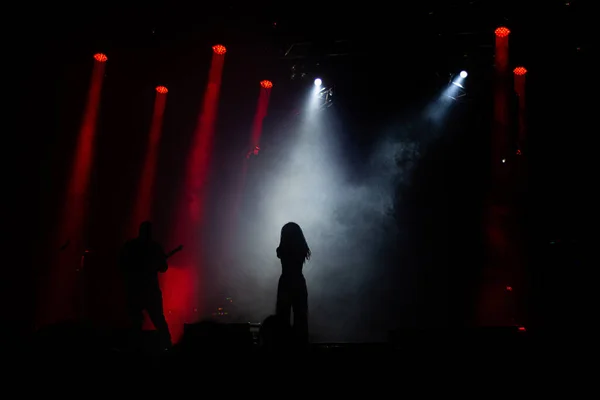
<point>141,260</point>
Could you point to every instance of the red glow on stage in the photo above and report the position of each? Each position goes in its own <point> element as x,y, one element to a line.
<point>520,71</point>
<point>100,57</point>
<point>178,298</point>
<point>266,84</point>
<point>502,32</point>
<point>219,49</point>
<point>162,90</point>
<point>509,288</point>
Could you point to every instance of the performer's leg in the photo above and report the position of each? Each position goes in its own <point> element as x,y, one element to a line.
<point>157,316</point>
<point>300,306</point>
<point>136,317</point>
<point>284,300</point>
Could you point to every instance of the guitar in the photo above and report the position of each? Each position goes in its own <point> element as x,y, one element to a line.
<point>170,254</point>
<point>174,251</point>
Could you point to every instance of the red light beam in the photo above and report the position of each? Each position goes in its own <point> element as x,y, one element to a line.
<point>143,205</point>
<point>64,271</point>
<point>257,127</point>
<point>188,223</point>
<point>520,80</point>
<point>199,160</point>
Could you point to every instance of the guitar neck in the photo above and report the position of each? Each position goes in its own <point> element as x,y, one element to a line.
<point>173,252</point>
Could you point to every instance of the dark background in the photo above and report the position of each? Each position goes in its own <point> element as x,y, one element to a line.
<point>397,56</point>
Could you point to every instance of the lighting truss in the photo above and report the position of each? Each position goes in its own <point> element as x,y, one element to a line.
<point>325,97</point>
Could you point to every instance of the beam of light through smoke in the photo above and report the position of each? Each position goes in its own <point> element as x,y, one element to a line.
<point>63,298</point>
<point>350,223</point>
<point>493,310</point>
<point>191,212</point>
<point>143,206</point>
<point>346,223</point>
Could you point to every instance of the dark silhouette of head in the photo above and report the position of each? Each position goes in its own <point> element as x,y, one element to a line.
<point>145,232</point>
<point>293,242</point>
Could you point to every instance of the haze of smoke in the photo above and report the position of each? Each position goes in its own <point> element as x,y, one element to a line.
<point>347,225</point>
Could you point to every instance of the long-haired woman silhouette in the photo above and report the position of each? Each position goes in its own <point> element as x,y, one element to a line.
<point>292,294</point>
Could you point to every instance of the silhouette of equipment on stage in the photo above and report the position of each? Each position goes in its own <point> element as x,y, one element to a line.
<point>141,260</point>
<point>292,293</point>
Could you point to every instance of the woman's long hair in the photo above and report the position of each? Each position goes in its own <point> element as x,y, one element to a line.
<point>292,242</point>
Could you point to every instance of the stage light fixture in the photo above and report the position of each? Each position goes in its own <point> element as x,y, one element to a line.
<point>266,84</point>
<point>219,49</point>
<point>100,57</point>
<point>502,32</point>
<point>520,71</point>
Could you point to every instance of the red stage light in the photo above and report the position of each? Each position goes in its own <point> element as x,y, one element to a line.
<point>502,32</point>
<point>266,84</point>
<point>162,90</point>
<point>100,57</point>
<point>219,49</point>
<point>520,71</point>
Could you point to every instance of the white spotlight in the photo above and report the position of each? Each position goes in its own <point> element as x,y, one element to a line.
<point>318,82</point>
<point>463,74</point>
